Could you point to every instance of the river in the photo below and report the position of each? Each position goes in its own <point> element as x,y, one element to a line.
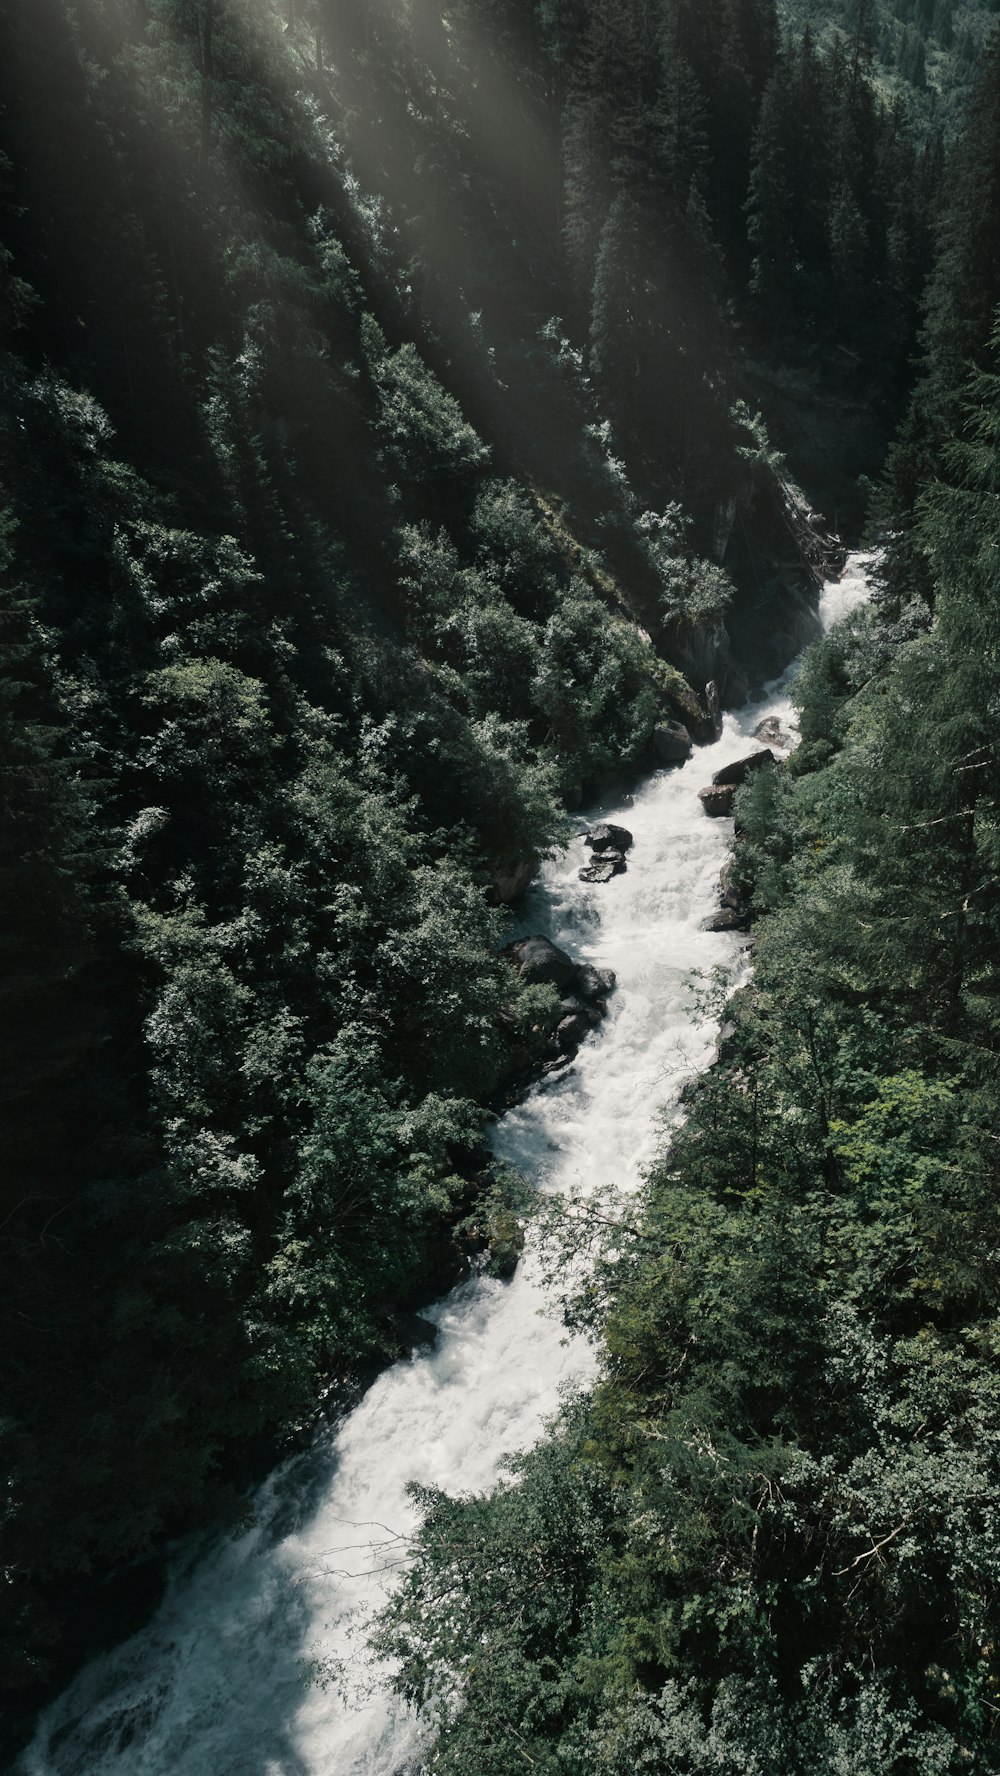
<point>235,1675</point>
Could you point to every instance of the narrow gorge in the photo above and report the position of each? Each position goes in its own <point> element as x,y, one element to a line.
<point>256,1661</point>
<point>499,1069</point>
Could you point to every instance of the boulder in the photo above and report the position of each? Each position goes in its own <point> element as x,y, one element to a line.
<point>594,983</point>
<point>512,876</point>
<point>571,1030</point>
<point>718,800</point>
<point>608,838</point>
<point>410,1330</point>
<point>772,733</point>
<point>713,709</point>
<point>605,865</point>
<point>730,919</point>
<point>740,769</point>
<point>672,743</point>
<point>732,896</point>
<point>573,1007</point>
<point>539,961</point>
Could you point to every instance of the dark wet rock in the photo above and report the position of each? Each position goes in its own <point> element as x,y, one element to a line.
<point>559,1065</point>
<point>594,983</point>
<point>571,1030</point>
<point>730,919</point>
<point>672,743</point>
<point>542,963</point>
<point>603,839</point>
<point>606,864</point>
<point>773,733</point>
<point>713,708</point>
<point>410,1330</point>
<point>732,894</point>
<point>512,876</point>
<point>553,1042</point>
<point>741,769</point>
<point>705,724</point>
<point>593,1010</point>
<point>717,801</point>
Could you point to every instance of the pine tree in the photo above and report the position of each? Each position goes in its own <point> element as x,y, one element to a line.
<point>959,306</point>
<point>617,304</point>
<point>50,1021</point>
<point>944,23</point>
<point>941,869</point>
<point>788,202</point>
<point>913,59</point>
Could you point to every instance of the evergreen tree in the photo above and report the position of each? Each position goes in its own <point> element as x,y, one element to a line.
<point>788,199</point>
<point>960,303</point>
<point>52,1028</point>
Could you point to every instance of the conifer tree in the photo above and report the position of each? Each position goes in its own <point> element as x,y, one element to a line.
<point>787,205</point>
<point>50,1025</point>
<point>959,306</point>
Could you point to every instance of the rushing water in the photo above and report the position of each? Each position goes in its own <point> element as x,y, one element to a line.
<point>232,1675</point>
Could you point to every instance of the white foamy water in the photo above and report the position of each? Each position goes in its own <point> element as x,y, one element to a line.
<point>223,1680</point>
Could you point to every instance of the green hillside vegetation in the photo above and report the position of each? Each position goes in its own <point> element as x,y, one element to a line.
<point>321,569</point>
<point>380,462</point>
<point>926,52</point>
<point>767,1540</point>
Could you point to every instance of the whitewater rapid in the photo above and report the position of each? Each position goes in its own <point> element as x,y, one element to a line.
<point>237,1672</point>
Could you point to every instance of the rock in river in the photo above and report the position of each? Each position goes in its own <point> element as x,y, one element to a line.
<point>672,743</point>
<point>582,989</point>
<point>732,894</point>
<point>594,983</point>
<point>605,865</point>
<point>511,877</point>
<point>718,800</point>
<point>773,733</point>
<point>740,769</point>
<point>571,1030</point>
<point>542,963</point>
<point>730,919</point>
<point>608,838</point>
<point>592,1010</point>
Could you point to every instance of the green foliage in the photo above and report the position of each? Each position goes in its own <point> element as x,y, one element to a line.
<point>914,46</point>
<point>269,735</point>
<point>959,315</point>
<point>425,431</point>
<point>694,592</point>
<point>767,1539</point>
<point>594,686</point>
<point>321,586</point>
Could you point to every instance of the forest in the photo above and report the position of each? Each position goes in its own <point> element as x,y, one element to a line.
<point>405,414</point>
<point>925,51</point>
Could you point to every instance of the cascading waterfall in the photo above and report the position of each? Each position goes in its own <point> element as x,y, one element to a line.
<point>236,1674</point>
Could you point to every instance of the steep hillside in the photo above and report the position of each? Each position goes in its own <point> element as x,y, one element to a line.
<point>926,52</point>
<point>380,469</point>
<point>767,1539</point>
